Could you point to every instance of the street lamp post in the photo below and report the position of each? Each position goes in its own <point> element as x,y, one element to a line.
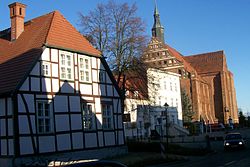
<point>166,112</point>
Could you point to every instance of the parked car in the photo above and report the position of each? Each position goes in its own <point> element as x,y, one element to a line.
<point>234,141</point>
<point>101,163</point>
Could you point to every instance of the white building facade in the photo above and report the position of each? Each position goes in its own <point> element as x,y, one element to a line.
<point>150,114</point>
<point>164,87</point>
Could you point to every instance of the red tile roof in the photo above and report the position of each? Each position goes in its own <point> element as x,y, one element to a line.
<point>18,57</point>
<point>63,34</point>
<point>181,58</point>
<point>208,62</point>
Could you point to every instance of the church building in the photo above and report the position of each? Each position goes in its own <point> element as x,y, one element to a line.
<point>204,77</point>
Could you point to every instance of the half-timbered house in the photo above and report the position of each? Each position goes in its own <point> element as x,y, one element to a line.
<point>57,93</point>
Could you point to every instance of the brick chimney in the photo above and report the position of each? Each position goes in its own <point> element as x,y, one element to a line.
<point>17,14</point>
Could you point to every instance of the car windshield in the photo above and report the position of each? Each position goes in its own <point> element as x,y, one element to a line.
<point>233,136</point>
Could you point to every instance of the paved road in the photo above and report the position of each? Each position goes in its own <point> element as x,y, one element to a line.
<point>237,158</point>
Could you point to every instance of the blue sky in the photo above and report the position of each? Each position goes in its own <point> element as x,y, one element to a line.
<point>191,27</point>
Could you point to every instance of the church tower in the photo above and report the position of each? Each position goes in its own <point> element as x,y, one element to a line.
<point>158,29</point>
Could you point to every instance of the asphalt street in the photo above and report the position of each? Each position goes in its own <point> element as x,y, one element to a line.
<point>220,158</point>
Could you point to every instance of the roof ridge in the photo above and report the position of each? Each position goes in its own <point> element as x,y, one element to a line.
<point>206,53</point>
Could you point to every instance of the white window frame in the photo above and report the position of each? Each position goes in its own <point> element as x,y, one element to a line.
<point>88,116</point>
<point>44,120</point>
<point>45,71</point>
<point>66,65</point>
<point>107,116</point>
<point>84,68</point>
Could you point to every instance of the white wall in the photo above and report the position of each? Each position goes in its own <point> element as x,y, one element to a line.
<point>65,98</point>
<point>167,90</point>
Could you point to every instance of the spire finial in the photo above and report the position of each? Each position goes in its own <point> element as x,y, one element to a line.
<point>157,30</point>
<point>156,9</point>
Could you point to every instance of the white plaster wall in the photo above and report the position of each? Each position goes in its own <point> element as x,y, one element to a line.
<point>95,76</point>
<point>86,89</point>
<point>10,127</point>
<point>77,140</point>
<point>117,106</point>
<point>46,55</point>
<point>67,87</point>
<point>61,103</point>
<point>11,147</point>
<point>167,94</point>
<point>108,78</point>
<point>46,84</point>
<point>109,90</point>
<point>3,147</point>
<point>76,73</point>
<point>120,123</point>
<point>29,98</point>
<point>94,64</point>
<point>10,106</point>
<point>26,145</point>
<point>116,93</point>
<point>21,108</point>
<point>109,138</point>
<point>62,122</point>
<point>100,137</point>
<point>44,96</point>
<point>75,58</point>
<point>35,84</point>
<point>77,86</point>
<point>63,142</point>
<point>3,127</point>
<point>25,85</point>
<point>99,121</point>
<point>23,124</point>
<point>102,88</point>
<point>90,140</point>
<point>46,144</point>
<point>95,89</point>
<point>76,121</point>
<point>87,98</point>
<point>36,69</point>
<point>98,113</point>
<point>100,65</point>
<point>2,107</point>
<point>74,103</point>
<point>54,55</point>
<point>54,70</point>
<point>121,137</point>
<point>55,85</point>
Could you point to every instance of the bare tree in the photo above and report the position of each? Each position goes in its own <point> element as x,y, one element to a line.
<point>117,32</point>
<point>96,26</point>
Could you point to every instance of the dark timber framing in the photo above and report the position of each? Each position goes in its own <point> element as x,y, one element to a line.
<point>21,95</point>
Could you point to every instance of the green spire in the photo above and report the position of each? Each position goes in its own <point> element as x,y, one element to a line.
<point>156,9</point>
<point>157,30</point>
